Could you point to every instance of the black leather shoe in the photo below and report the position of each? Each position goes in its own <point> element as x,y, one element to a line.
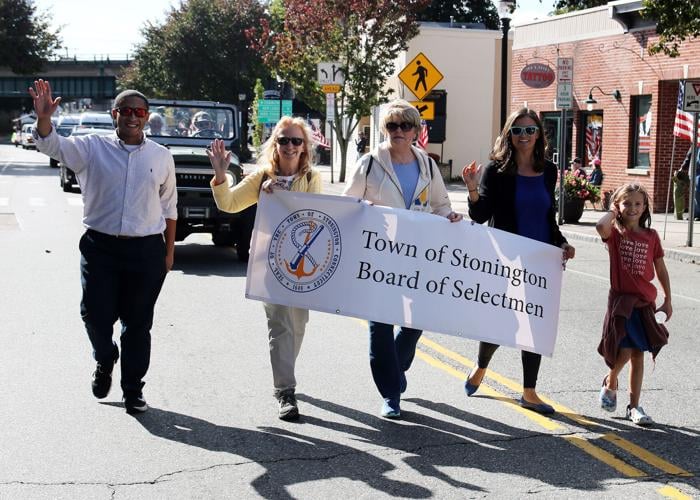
<point>135,403</point>
<point>102,380</point>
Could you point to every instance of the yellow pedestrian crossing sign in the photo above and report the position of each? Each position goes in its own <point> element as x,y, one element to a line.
<point>420,76</point>
<point>425,108</point>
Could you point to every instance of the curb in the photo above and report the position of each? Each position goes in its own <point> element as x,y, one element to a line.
<point>671,253</point>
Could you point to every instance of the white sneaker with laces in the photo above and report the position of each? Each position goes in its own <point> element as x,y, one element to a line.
<point>637,416</point>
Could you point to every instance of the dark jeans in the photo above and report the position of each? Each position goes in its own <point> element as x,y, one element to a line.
<point>530,360</point>
<point>390,356</point>
<point>121,279</point>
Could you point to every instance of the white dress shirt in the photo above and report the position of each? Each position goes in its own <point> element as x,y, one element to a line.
<point>125,192</point>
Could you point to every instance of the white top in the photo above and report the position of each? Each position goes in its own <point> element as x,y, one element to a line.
<point>128,193</point>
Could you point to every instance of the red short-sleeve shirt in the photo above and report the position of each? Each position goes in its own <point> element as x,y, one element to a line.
<point>632,257</point>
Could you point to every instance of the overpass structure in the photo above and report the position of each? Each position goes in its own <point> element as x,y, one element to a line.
<point>70,78</point>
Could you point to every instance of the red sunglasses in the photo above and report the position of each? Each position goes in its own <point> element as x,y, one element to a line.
<point>127,111</point>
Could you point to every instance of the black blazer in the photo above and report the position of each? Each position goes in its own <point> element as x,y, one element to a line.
<point>496,202</point>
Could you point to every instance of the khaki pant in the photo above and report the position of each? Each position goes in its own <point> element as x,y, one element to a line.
<point>285,330</point>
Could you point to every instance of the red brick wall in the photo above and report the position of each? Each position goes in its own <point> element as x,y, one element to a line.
<point>618,62</point>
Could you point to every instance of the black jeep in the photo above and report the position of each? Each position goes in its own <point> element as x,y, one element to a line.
<point>187,128</point>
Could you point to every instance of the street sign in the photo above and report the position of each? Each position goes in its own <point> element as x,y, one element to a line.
<point>425,108</point>
<point>420,76</point>
<point>330,88</point>
<point>565,95</point>
<point>330,107</point>
<point>565,69</point>
<point>269,110</point>
<point>691,99</point>
<point>330,73</point>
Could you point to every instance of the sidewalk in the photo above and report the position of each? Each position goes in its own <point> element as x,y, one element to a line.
<point>673,238</point>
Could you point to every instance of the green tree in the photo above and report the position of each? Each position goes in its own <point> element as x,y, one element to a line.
<point>259,127</point>
<point>676,20</point>
<point>199,52</point>
<point>462,11</point>
<point>564,6</point>
<point>365,36</point>
<point>26,41</point>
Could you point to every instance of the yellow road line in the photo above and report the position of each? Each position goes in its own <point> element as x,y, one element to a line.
<point>671,492</point>
<point>628,446</point>
<point>646,456</point>
<point>604,456</point>
<point>543,421</point>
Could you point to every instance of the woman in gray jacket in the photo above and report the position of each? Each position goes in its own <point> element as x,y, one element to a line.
<point>400,175</point>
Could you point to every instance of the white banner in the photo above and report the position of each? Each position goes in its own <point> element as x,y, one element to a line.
<point>337,255</point>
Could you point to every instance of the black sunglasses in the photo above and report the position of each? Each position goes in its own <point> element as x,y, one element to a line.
<point>529,130</point>
<point>405,126</point>
<point>283,141</point>
<point>127,111</point>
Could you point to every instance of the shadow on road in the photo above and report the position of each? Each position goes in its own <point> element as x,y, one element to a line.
<point>208,260</point>
<point>289,458</point>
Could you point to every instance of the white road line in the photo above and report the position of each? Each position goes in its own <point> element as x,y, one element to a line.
<point>75,202</point>
<point>37,202</point>
<point>606,279</point>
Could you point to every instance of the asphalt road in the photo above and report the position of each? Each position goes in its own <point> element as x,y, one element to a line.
<point>212,430</point>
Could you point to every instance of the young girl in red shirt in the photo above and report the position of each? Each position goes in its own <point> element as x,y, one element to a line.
<point>631,327</point>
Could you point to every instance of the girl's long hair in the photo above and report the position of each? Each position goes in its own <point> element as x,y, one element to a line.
<point>623,192</point>
<point>269,159</point>
<point>502,152</point>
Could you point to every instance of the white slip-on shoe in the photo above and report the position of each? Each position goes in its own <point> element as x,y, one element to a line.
<point>637,416</point>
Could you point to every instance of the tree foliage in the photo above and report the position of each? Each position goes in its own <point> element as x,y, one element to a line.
<point>676,21</point>
<point>564,6</point>
<point>199,52</point>
<point>365,36</point>
<point>26,41</point>
<point>462,11</point>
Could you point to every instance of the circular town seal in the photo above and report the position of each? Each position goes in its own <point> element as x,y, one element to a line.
<point>305,250</point>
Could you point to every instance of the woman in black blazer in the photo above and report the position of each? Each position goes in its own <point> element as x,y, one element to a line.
<point>516,194</point>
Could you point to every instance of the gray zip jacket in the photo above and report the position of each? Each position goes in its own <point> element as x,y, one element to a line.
<point>381,185</point>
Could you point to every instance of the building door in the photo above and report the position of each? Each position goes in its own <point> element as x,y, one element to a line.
<point>551,122</point>
<point>591,137</point>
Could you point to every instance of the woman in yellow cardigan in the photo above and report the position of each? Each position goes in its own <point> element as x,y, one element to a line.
<point>285,163</point>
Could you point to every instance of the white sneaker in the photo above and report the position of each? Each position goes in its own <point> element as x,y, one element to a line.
<point>637,416</point>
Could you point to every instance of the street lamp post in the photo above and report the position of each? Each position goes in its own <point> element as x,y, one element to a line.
<point>505,10</point>
<point>281,81</point>
<point>243,121</point>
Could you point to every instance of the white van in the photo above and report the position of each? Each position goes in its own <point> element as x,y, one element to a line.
<point>26,139</point>
<point>96,120</point>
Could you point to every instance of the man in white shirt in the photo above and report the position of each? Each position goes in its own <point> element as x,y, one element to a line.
<point>130,212</point>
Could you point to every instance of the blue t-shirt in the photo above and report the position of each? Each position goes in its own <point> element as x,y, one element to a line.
<point>408,178</point>
<point>532,203</point>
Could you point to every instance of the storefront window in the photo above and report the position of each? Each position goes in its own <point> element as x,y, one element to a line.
<point>592,138</point>
<point>642,131</point>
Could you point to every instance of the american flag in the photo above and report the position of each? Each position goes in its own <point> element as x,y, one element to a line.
<point>422,141</point>
<point>318,137</point>
<point>683,125</point>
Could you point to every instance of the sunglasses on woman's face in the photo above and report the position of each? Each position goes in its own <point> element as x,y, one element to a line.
<point>393,127</point>
<point>127,111</point>
<point>529,130</point>
<point>283,141</point>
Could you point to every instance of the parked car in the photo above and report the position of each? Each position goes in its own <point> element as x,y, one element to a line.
<point>64,126</point>
<point>67,179</point>
<point>26,139</point>
<point>96,120</point>
<point>188,130</point>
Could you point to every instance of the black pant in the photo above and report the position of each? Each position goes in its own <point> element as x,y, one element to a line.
<point>531,363</point>
<point>121,279</point>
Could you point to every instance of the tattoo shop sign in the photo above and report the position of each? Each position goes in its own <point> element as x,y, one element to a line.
<point>339,255</point>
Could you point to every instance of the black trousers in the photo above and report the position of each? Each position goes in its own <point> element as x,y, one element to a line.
<point>530,360</point>
<point>121,280</point>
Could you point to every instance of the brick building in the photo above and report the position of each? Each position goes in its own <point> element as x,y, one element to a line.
<point>630,128</point>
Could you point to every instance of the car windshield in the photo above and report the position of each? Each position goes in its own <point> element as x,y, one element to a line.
<point>188,121</point>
